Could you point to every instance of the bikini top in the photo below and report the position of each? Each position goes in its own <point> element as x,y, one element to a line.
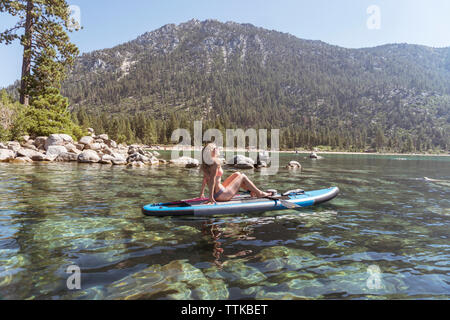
<point>220,173</point>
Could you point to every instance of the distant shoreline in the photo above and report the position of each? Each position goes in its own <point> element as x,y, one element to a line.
<point>174,148</point>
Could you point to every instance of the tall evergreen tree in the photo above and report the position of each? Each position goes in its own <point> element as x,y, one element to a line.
<point>41,29</point>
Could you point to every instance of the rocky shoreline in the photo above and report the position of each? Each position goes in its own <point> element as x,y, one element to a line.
<point>89,149</point>
<point>103,150</point>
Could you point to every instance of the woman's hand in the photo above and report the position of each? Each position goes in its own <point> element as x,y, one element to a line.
<point>202,195</point>
<point>212,202</point>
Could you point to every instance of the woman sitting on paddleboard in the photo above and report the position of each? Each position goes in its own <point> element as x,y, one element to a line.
<point>212,176</point>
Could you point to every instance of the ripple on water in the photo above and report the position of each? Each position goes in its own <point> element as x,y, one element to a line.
<point>386,216</point>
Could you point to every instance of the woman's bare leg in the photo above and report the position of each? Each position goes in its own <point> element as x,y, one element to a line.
<point>239,181</point>
<point>230,179</point>
<point>247,184</point>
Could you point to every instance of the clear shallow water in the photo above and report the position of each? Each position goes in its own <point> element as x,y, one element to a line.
<point>385,236</point>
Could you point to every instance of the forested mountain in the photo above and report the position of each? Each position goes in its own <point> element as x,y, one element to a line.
<point>392,97</point>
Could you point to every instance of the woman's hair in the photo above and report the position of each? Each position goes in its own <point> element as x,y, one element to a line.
<point>207,160</point>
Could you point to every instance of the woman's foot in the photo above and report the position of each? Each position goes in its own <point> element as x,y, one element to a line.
<point>264,194</point>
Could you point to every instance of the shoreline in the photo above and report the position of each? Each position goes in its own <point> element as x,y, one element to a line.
<point>192,149</point>
<point>101,149</point>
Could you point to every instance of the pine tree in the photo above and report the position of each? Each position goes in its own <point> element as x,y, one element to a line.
<point>47,49</point>
<point>47,114</point>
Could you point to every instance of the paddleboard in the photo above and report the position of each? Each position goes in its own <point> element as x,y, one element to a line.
<point>239,204</point>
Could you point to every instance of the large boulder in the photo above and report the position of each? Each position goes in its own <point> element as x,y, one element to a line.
<point>104,137</point>
<point>113,158</point>
<point>72,148</point>
<point>186,162</point>
<point>106,159</point>
<point>29,153</point>
<point>57,140</point>
<point>21,160</point>
<point>107,150</point>
<point>242,162</point>
<point>55,151</point>
<point>39,142</point>
<point>93,146</point>
<point>240,158</point>
<point>38,156</point>
<point>86,140</point>
<point>79,146</point>
<point>14,146</point>
<point>67,157</point>
<point>88,156</point>
<point>29,145</point>
<point>6,155</point>
<point>111,144</point>
<point>119,161</point>
<point>53,140</point>
<point>137,157</point>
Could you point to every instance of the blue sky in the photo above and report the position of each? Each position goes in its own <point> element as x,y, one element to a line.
<point>107,23</point>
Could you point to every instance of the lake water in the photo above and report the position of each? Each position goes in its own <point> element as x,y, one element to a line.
<point>385,237</point>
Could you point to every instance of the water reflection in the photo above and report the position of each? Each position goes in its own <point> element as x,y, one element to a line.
<point>231,230</point>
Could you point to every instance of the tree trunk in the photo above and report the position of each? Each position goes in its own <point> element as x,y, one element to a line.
<point>26,65</point>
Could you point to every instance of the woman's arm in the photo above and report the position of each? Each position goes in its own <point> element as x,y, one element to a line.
<point>212,182</point>
<point>202,193</point>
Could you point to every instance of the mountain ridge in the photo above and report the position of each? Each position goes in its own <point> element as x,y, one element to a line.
<point>249,76</point>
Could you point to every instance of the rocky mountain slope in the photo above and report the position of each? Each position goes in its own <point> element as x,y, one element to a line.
<point>252,77</point>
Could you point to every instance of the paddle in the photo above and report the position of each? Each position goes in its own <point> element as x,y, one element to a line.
<point>285,203</point>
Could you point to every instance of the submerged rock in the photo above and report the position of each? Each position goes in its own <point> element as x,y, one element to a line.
<point>175,280</point>
<point>294,165</point>
<point>283,258</point>
<point>241,273</point>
